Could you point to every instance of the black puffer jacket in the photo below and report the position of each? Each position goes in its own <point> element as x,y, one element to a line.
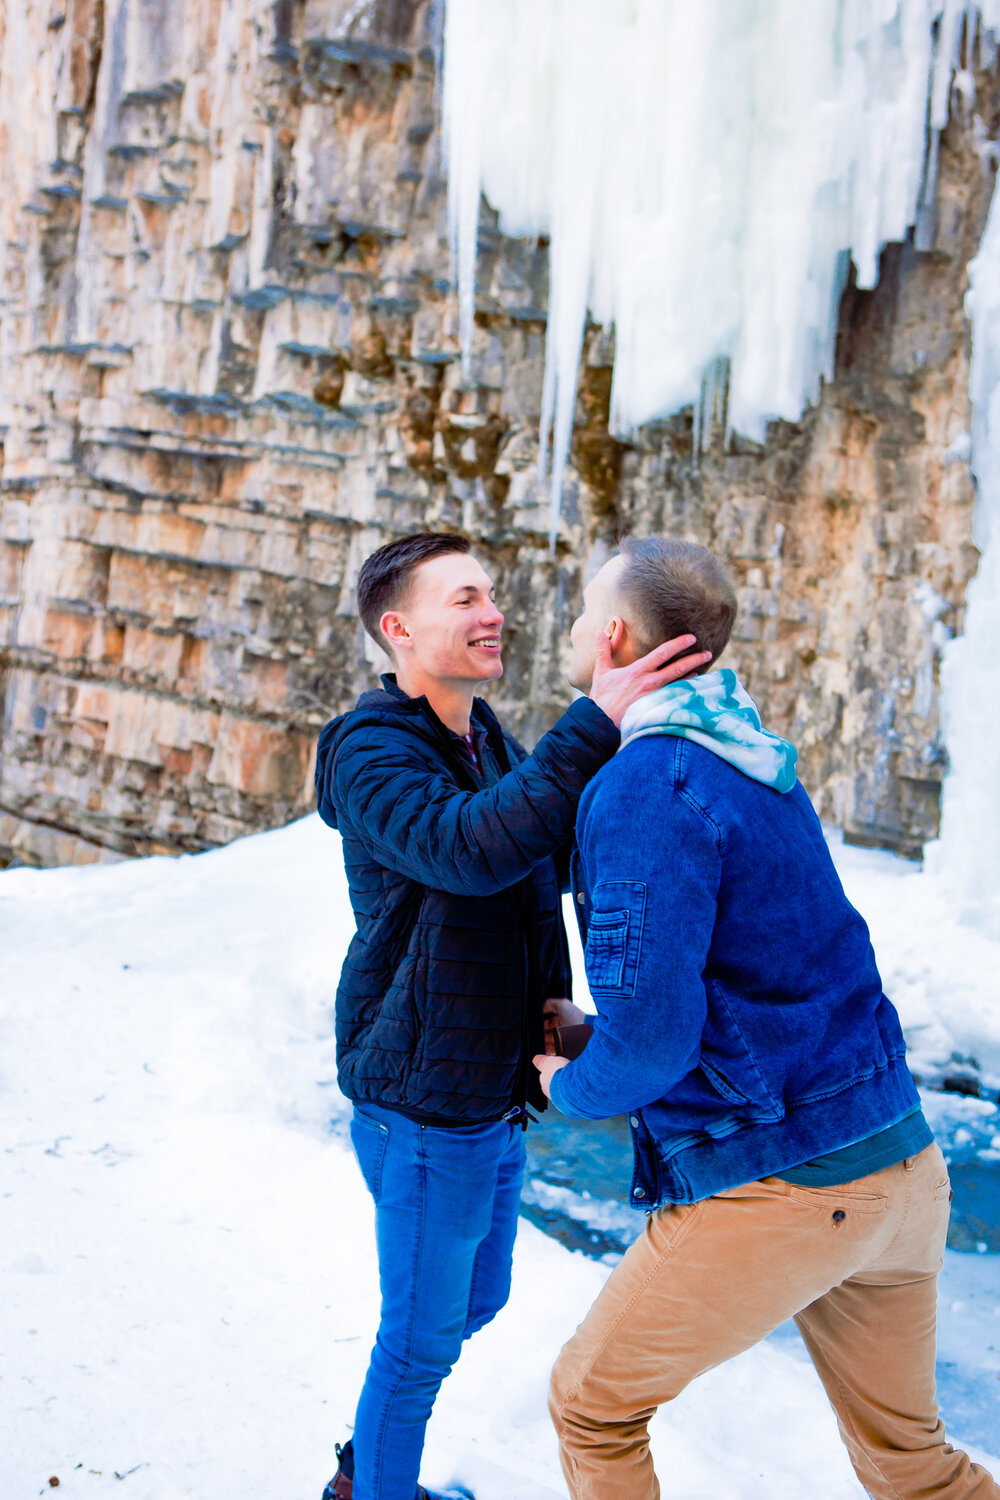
<point>455,894</point>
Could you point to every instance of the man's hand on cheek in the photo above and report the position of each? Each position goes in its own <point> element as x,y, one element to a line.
<point>546,1067</point>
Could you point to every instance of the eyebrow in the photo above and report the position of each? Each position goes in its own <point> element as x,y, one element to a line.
<point>470,588</point>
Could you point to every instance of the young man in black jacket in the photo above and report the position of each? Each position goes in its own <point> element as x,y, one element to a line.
<point>449,831</point>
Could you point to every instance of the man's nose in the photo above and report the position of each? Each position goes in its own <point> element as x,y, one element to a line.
<point>493,617</point>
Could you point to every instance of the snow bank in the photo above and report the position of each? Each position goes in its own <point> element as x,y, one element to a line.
<point>940,973</point>
<point>189,1280</point>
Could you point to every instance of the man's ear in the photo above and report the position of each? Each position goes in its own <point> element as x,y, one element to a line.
<point>394,631</point>
<point>616,631</point>
<point>624,647</point>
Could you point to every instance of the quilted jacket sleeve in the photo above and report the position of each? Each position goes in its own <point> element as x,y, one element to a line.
<point>418,822</point>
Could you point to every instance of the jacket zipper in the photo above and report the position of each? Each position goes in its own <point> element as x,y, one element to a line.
<point>494,739</point>
<point>519,1108</point>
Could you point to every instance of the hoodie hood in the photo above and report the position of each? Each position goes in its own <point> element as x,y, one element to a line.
<point>717,712</point>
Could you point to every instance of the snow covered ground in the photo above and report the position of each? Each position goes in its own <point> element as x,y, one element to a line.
<point>189,1285</point>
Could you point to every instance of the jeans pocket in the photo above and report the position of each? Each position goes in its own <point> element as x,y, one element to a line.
<point>838,1197</point>
<point>369,1139</point>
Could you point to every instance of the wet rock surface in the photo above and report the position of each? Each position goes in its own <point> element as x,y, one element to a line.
<point>230,368</point>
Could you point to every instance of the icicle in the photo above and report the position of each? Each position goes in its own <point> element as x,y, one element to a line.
<point>701,171</point>
<point>460,137</point>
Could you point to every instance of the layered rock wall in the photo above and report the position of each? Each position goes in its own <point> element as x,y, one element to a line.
<point>229,369</point>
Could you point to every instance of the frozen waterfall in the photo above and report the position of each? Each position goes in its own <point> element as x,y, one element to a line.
<point>967,854</point>
<point>705,172</point>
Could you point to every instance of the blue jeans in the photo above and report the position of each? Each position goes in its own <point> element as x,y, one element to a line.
<point>446,1205</point>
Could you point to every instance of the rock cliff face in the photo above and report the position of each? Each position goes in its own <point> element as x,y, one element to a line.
<point>228,354</point>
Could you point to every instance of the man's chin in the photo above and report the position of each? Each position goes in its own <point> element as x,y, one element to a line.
<point>490,671</point>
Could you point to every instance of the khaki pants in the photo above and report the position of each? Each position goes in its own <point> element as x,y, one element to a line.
<point>856,1266</point>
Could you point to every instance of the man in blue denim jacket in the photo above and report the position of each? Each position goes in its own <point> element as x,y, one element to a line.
<point>779,1144</point>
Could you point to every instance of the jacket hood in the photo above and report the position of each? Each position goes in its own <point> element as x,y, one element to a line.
<point>717,712</point>
<point>379,706</point>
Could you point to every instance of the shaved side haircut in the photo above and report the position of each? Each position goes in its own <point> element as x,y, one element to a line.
<point>677,588</point>
<point>385,576</point>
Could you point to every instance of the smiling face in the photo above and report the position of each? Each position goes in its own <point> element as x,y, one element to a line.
<point>447,627</point>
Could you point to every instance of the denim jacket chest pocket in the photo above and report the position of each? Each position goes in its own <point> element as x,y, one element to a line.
<point>614,936</point>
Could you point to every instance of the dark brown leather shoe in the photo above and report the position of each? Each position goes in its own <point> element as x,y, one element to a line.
<point>341,1486</point>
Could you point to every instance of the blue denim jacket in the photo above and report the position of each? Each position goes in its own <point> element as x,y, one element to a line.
<point>741,1021</point>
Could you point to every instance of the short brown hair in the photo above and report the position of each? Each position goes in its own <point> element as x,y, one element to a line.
<point>677,588</point>
<point>385,576</point>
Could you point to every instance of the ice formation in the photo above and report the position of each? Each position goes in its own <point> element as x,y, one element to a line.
<point>968,852</point>
<point>704,173</point>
